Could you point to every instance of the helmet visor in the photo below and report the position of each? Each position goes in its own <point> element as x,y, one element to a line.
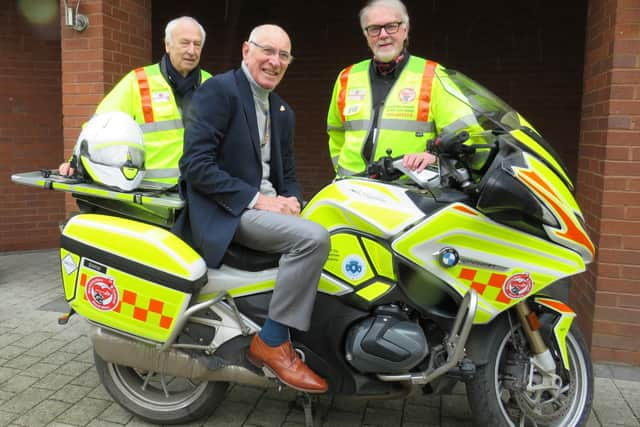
<point>118,155</point>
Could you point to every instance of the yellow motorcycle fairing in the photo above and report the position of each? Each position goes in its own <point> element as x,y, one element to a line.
<point>502,264</point>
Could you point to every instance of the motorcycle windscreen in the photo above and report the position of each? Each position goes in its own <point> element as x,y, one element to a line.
<point>526,192</point>
<point>494,116</point>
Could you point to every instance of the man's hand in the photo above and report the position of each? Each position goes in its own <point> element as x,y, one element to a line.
<point>292,204</point>
<point>280,204</point>
<point>418,161</point>
<point>65,169</point>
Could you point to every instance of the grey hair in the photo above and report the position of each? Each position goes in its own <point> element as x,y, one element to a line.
<point>396,5</point>
<point>168,31</point>
<point>257,31</point>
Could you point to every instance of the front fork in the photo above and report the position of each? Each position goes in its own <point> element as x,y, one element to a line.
<point>531,326</point>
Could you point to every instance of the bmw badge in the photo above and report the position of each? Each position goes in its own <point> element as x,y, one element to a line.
<point>448,257</point>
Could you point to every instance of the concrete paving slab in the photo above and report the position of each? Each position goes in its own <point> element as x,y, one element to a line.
<point>47,376</point>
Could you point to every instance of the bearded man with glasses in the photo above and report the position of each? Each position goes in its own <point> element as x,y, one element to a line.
<point>392,101</point>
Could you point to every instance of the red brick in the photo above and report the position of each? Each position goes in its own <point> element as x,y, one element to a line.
<point>610,270</point>
<point>631,47</point>
<point>631,243</point>
<point>624,107</point>
<point>627,284</point>
<point>616,342</point>
<point>630,271</point>
<point>614,328</point>
<point>618,314</point>
<point>621,256</point>
<point>606,299</point>
<point>613,212</point>
<point>621,197</point>
<point>605,354</point>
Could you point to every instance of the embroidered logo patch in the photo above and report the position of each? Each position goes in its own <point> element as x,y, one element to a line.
<point>352,109</point>
<point>356,94</point>
<point>407,95</point>
<point>160,97</point>
<point>518,285</point>
<point>102,293</point>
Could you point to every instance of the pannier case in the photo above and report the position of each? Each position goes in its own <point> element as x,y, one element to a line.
<point>140,283</point>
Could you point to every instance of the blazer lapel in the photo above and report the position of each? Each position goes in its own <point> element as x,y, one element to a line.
<point>249,108</point>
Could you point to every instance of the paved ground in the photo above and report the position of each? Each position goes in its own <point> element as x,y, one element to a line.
<point>47,377</point>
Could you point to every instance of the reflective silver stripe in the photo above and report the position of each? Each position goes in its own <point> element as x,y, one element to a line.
<point>357,125</point>
<point>161,126</point>
<point>335,160</point>
<point>392,124</point>
<point>345,172</point>
<point>407,125</point>
<point>461,123</point>
<point>162,173</point>
<point>330,128</point>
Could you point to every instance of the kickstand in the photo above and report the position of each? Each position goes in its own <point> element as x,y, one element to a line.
<point>308,412</point>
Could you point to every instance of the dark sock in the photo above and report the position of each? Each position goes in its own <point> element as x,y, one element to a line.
<point>274,333</point>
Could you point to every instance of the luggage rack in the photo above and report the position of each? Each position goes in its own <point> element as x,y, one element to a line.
<point>151,202</point>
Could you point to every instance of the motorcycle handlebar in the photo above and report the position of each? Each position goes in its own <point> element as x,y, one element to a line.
<point>449,144</point>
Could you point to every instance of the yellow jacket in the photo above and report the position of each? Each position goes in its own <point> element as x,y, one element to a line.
<point>416,108</point>
<point>146,96</point>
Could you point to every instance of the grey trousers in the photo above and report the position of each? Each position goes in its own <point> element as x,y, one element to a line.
<point>304,246</point>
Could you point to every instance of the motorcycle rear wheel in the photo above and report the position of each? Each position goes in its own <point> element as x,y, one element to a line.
<point>494,403</point>
<point>158,398</point>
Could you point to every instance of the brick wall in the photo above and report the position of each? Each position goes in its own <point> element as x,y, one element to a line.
<point>532,54</point>
<point>608,295</point>
<point>30,123</point>
<point>117,40</point>
<point>522,52</point>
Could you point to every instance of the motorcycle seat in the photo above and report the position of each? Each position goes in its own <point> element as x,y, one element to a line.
<point>247,259</point>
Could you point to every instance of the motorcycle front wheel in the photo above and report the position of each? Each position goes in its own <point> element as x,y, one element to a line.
<point>509,390</point>
<point>158,398</point>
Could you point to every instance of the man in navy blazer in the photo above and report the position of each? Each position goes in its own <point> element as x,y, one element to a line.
<point>238,180</point>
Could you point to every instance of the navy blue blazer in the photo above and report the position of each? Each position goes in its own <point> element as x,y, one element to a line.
<point>221,167</point>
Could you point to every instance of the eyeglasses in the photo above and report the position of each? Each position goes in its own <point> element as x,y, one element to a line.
<point>283,55</point>
<point>390,28</point>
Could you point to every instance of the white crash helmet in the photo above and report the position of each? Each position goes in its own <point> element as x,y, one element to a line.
<point>110,151</point>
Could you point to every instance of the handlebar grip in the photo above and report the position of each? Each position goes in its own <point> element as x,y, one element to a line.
<point>448,143</point>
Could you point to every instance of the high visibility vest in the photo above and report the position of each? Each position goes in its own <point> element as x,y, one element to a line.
<point>146,95</point>
<point>412,113</point>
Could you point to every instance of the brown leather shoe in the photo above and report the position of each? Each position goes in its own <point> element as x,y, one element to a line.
<point>284,363</point>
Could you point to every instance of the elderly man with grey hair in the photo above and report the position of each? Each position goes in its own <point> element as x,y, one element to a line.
<point>156,96</point>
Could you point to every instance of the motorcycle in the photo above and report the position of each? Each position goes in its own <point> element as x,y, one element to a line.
<point>433,278</point>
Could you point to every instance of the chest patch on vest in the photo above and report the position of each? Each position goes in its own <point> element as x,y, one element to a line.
<point>352,109</point>
<point>160,96</point>
<point>357,94</point>
<point>407,95</point>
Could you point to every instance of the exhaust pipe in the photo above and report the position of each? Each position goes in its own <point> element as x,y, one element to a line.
<point>122,350</point>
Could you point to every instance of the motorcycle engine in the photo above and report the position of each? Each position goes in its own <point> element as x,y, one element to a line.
<point>387,342</point>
